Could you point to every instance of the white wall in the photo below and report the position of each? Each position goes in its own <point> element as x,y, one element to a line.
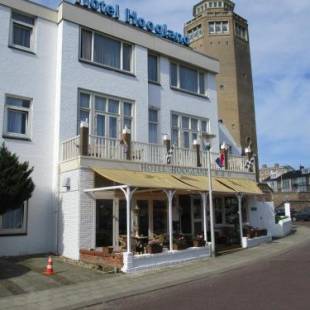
<point>167,100</point>
<point>32,76</point>
<point>262,215</point>
<point>75,75</point>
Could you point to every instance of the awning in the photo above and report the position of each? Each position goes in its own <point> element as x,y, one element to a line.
<point>202,183</point>
<point>144,179</point>
<point>241,185</point>
<point>154,180</point>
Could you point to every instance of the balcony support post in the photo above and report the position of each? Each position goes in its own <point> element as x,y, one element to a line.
<point>170,194</point>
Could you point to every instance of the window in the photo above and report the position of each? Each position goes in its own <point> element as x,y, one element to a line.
<point>105,51</point>
<point>241,32</point>
<point>187,79</point>
<point>153,126</point>
<point>195,33</point>
<point>17,117</point>
<point>106,116</point>
<point>218,27</point>
<point>159,217</point>
<point>218,210</point>
<point>22,31</point>
<point>185,129</point>
<point>14,221</point>
<point>153,68</point>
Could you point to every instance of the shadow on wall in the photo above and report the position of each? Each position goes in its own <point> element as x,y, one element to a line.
<point>60,228</point>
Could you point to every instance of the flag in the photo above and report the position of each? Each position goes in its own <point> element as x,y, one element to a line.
<point>221,160</point>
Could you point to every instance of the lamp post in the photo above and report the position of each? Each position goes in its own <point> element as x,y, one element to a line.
<point>206,139</point>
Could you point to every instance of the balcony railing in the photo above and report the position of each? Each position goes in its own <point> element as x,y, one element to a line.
<point>114,149</point>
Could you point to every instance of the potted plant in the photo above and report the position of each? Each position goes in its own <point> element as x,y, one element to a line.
<point>154,246</point>
<point>179,242</point>
<point>199,241</point>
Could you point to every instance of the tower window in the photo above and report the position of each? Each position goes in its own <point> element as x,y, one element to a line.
<point>218,27</point>
<point>241,32</point>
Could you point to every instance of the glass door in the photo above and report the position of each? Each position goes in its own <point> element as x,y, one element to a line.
<point>104,223</point>
<point>197,216</point>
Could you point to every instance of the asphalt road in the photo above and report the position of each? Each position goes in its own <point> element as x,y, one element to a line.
<point>280,283</point>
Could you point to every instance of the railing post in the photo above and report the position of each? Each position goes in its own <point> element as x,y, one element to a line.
<point>84,135</point>
<point>126,138</point>
<point>197,147</point>
<point>167,143</point>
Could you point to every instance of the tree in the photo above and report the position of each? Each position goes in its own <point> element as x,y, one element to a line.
<point>16,185</point>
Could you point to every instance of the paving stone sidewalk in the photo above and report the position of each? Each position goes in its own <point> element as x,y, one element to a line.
<point>97,292</point>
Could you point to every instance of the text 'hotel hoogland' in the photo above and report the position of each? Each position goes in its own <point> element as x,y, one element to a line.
<point>110,109</point>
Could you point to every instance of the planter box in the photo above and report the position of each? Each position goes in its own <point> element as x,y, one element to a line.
<point>179,246</point>
<point>152,249</point>
<point>198,243</point>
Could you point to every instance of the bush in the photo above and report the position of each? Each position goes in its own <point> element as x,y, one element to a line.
<point>16,185</point>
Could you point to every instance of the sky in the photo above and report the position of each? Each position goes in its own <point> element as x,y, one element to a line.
<point>280,44</point>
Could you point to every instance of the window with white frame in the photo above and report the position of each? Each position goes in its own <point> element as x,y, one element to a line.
<point>106,115</point>
<point>22,31</point>
<point>195,33</point>
<point>17,114</point>
<point>106,51</point>
<point>153,65</point>
<point>14,221</point>
<point>153,125</point>
<point>185,129</point>
<point>187,78</point>
<point>218,27</point>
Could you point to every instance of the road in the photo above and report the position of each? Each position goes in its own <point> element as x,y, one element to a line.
<point>280,283</point>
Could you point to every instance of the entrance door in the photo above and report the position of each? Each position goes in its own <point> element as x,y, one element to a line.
<point>197,216</point>
<point>186,216</point>
<point>143,217</point>
<point>104,223</point>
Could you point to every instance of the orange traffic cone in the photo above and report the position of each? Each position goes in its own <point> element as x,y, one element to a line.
<point>49,268</point>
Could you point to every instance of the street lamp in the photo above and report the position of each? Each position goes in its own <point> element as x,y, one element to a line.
<point>206,140</point>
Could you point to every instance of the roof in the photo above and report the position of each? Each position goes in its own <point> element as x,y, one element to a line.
<point>290,175</point>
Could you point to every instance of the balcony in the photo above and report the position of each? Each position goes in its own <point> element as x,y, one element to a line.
<point>152,157</point>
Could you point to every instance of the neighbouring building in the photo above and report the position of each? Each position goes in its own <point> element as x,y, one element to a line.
<point>292,186</point>
<point>112,112</point>
<point>217,31</point>
<point>273,172</point>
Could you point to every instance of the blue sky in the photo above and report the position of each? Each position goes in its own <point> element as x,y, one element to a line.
<point>280,44</point>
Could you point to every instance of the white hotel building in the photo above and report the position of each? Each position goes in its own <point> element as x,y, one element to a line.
<point>129,89</point>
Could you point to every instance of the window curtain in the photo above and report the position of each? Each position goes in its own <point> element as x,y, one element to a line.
<point>12,219</point>
<point>17,122</point>
<point>152,68</point>
<point>100,125</point>
<point>107,51</point>
<point>113,127</point>
<point>86,44</point>
<point>21,35</point>
<point>173,75</point>
<point>153,133</point>
<point>188,79</point>
<point>127,57</point>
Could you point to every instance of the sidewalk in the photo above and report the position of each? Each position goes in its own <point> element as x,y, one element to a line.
<point>99,291</point>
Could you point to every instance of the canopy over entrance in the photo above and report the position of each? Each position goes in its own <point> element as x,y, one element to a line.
<point>166,181</point>
<point>241,185</point>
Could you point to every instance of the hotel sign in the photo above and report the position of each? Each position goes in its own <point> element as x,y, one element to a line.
<point>132,18</point>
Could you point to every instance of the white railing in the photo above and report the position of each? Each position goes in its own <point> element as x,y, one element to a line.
<point>70,148</point>
<point>100,147</point>
<point>114,149</point>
